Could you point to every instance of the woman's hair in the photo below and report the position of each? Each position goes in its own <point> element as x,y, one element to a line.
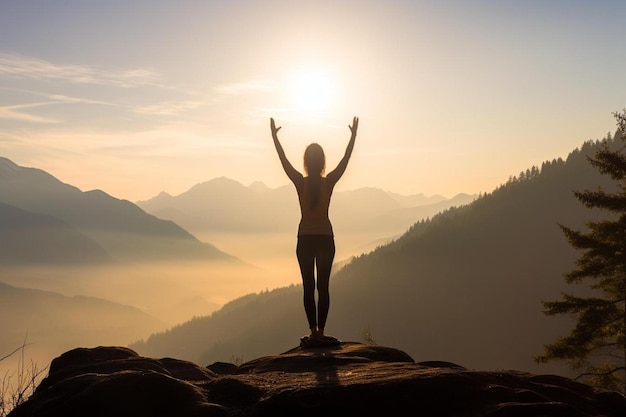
<point>314,160</point>
<point>314,166</point>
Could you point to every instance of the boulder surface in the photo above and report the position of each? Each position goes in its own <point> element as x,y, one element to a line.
<point>335,380</point>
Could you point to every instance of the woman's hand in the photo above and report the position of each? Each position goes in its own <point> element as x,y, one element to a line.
<point>353,128</point>
<point>276,129</point>
<point>291,172</point>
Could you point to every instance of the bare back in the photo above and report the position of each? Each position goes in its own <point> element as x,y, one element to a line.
<point>314,220</point>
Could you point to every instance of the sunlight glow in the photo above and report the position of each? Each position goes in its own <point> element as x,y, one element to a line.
<point>312,92</point>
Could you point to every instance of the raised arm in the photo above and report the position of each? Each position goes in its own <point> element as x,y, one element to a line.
<point>337,173</point>
<point>291,172</point>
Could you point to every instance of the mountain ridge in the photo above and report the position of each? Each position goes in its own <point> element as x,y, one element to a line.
<point>223,205</point>
<point>31,238</point>
<point>121,228</point>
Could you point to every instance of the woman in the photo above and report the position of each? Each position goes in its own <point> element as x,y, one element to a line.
<point>316,245</point>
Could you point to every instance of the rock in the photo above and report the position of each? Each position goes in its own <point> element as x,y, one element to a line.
<point>223,368</point>
<point>345,379</point>
<point>318,341</point>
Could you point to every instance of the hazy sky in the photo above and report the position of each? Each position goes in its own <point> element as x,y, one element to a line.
<point>138,97</point>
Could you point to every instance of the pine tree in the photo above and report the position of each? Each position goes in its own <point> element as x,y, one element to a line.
<point>596,346</point>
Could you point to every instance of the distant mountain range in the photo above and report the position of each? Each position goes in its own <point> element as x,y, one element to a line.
<point>464,286</point>
<point>43,220</point>
<point>224,205</point>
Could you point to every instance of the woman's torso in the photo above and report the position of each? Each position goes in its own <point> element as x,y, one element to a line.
<point>314,220</point>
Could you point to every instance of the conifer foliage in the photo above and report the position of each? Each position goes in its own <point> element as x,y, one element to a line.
<point>596,346</point>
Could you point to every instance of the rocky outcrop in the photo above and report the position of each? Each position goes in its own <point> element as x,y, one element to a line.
<point>347,379</point>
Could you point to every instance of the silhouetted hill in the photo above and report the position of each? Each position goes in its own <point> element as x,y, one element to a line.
<point>464,286</point>
<point>350,379</point>
<point>124,230</point>
<point>53,323</point>
<point>225,205</point>
<point>29,238</point>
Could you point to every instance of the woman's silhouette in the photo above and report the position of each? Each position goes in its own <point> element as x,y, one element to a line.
<point>316,244</point>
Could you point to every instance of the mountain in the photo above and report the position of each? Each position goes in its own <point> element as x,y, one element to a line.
<point>225,205</point>
<point>52,323</point>
<point>416,199</point>
<point>30,238</point>
<point>119,227</point>
<point>355,214</point>
<point>350,379</point>
<point>465,285</point>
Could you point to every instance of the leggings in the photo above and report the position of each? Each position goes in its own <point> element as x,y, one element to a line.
<point>316,250</point>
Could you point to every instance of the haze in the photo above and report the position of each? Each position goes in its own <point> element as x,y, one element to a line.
<point>88,269</point>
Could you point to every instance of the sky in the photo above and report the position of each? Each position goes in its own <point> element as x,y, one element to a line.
<point>139,97</point>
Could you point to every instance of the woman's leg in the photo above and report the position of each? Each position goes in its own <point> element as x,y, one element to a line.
<point>324,260</point>
<point>306,259</point>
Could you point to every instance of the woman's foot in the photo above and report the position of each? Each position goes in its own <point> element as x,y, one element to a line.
<point>319,333</point>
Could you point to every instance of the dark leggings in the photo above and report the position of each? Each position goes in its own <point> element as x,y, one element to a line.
<point>315,250</point>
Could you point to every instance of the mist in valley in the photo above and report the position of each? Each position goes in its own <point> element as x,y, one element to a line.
<point>145,297</point>
<point>163,294</point>
<point>48,310</point>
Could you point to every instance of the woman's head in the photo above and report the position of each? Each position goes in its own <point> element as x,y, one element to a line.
<point>314,160</point>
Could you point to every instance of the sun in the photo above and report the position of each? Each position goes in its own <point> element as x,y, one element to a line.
<point>312,91</point>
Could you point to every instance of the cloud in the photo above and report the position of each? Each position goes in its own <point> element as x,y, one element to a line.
<point>170,108</point>
<point>15,67</point>
<point>54,98</point>
<point>10,113</point>
<point>22,67</point>
<point>247,87</point>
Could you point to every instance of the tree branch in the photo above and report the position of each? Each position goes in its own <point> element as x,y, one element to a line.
<point>612,371</point>
<point>15,351</point>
